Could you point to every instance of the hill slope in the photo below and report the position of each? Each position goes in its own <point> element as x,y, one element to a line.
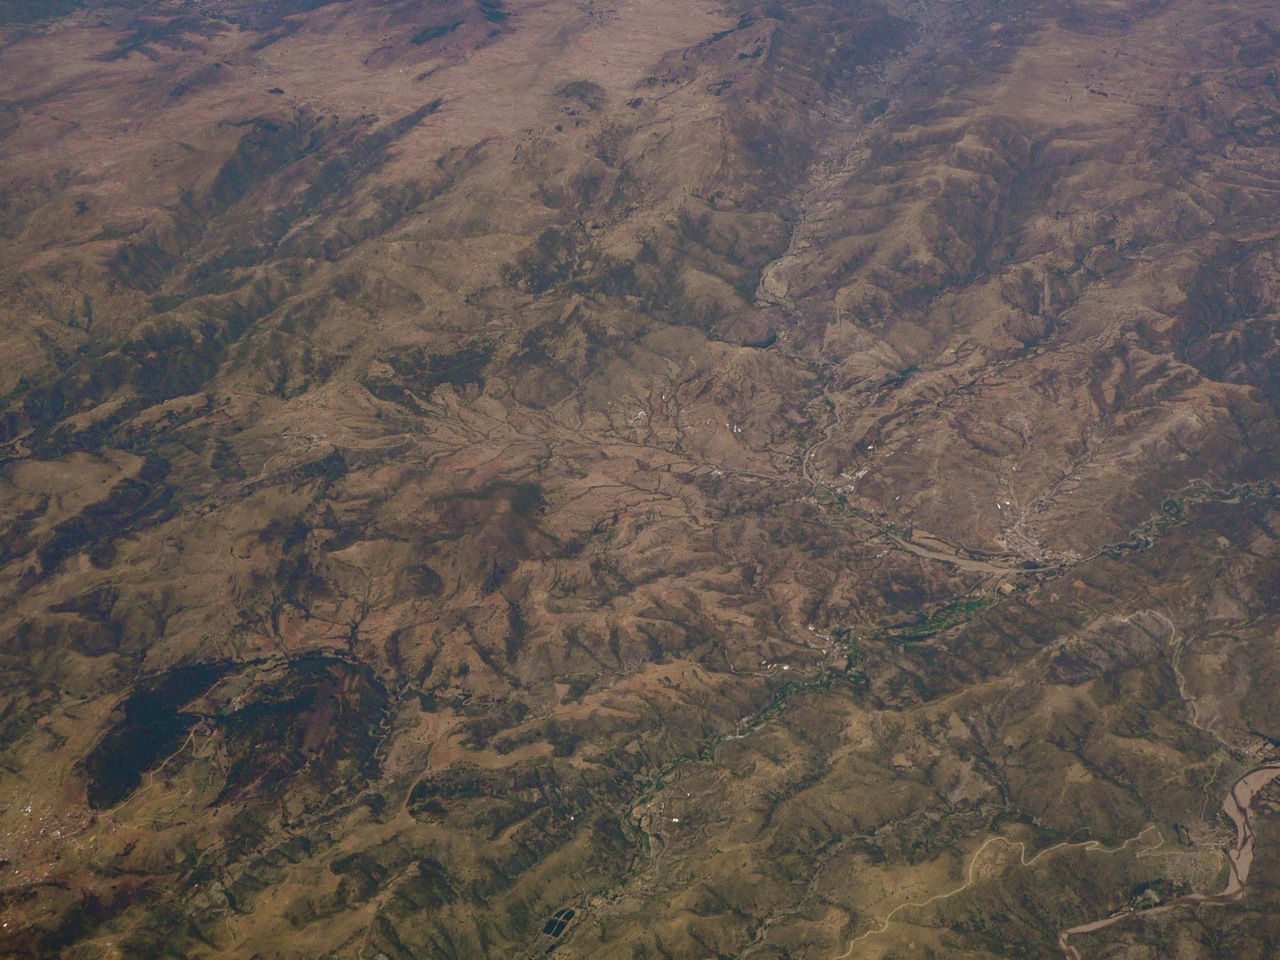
<point>785,480</point>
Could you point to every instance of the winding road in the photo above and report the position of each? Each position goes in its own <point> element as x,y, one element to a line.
<point>1238,808</point>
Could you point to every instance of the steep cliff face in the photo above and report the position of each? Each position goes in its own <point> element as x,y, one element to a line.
<point>773,478</point>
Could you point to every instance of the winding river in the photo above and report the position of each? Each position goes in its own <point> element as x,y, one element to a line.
<point>1237,806</point>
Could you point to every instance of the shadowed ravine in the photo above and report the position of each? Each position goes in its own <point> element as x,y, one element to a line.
<point>780,479</point>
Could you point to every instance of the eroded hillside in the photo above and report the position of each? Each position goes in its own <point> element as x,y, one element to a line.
<point>780,480</point>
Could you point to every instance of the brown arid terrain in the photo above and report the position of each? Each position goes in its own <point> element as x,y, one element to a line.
<point>780,480</point>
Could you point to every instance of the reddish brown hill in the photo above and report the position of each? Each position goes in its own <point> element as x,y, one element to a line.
<point>773,478</point>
